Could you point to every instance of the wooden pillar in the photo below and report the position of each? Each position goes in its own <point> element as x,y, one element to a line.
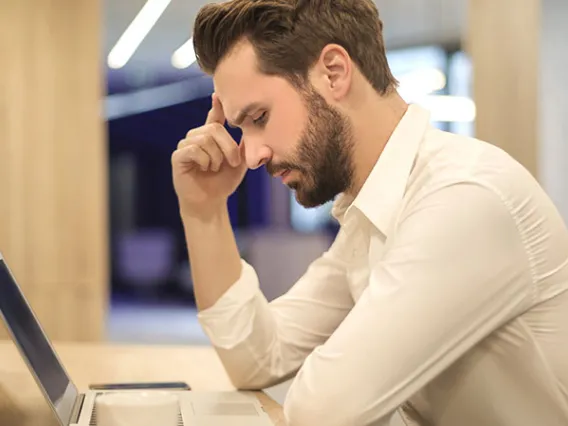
<point>503,39</point>
<point>553,102</point>
<point>53,162</point>
<point>520,62</point>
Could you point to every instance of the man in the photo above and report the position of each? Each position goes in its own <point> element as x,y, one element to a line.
<point>445,292</point>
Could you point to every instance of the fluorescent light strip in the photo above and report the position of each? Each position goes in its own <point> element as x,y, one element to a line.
<point>131,103</point>
<point>184,56</point>
<point>449,108</point>
<point>418,86</point>
<point>421,82</point>
<point>136,32</point>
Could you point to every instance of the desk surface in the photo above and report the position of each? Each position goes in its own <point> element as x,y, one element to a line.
<point>22,404</point>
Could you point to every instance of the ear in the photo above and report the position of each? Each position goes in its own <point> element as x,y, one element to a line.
<point>333,72</point>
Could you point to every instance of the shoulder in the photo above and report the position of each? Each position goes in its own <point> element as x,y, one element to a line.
<point>471,187</point>
<point>445,160</point>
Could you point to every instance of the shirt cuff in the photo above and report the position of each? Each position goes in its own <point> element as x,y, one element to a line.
<point>230,320</point>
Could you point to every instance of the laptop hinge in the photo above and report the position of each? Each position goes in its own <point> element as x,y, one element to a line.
<point>77,408</point>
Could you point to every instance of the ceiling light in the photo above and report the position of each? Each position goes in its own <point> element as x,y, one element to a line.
<point>449,108</point>
<point>421,82</point>
<point>136,32</point>
<point>184,56</point>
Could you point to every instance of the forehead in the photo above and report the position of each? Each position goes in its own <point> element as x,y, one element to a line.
<point>238,82</point>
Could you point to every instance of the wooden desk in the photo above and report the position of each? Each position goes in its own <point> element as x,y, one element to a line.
<point>22,404</point>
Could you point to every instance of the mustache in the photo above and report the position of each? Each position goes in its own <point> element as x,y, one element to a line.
<point>274,168</point>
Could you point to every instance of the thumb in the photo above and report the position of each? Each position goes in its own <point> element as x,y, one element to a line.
<point>216,113</point>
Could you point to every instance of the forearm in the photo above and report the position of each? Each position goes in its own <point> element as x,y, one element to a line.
<point>245,332</point>
<point>213,254</point>
<point>256,361</point>
<point>260,344</point>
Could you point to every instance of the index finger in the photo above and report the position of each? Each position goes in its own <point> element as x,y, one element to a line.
<point>216,114</point>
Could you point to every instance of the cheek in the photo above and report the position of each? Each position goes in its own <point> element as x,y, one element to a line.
<point>283,139</point>
<point>285,127</point>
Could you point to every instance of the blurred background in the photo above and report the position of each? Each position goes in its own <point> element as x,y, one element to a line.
<point>96,95</point>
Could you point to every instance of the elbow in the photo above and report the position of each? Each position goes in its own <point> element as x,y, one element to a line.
<point>248,383</point>
<point>243,373</point>
<point>256,382</point>
<point>249,374</point>
<point>251,377</point>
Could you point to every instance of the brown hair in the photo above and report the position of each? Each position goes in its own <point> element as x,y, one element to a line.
<point>289,35</point>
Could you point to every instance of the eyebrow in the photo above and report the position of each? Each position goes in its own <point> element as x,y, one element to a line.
<point>243,114</point>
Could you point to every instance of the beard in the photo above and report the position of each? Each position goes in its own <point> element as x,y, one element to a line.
<point>324,155</point>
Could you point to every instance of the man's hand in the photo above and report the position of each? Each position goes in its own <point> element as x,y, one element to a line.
<point>208,165</point>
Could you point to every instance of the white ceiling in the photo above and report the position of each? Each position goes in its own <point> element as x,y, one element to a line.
<point>407,22</point>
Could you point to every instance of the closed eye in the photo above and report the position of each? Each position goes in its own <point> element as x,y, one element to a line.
<point>260,121</point>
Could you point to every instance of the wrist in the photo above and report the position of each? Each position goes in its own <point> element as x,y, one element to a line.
<point>204,214</point>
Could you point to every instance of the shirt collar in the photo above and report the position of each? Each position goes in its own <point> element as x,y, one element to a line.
<point>383,191</point>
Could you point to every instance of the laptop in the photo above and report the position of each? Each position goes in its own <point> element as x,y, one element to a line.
<point>79,409</point>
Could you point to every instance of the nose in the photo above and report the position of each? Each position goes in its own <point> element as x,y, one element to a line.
<point>257,154</point>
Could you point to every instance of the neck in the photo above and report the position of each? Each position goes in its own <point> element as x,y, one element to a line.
<point>374,119</point>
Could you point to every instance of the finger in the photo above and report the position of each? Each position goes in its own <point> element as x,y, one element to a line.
<point>216,114</point>
<point>193,132</point>
<point>194,154</point>
<point>206,140</point>
<point>182,143</point>
<point>226,143</point>
<point>242,151</point>
<point>211,147</point>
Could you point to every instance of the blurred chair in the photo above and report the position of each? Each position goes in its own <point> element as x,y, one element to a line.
<point>280,257</point>
<point>146,258</point>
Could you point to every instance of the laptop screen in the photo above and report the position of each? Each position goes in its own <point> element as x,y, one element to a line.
<point>34,345</point>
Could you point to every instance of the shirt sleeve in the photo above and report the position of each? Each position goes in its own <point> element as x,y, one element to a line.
<point>455,270</point>
<point>228,323</point>
<point>260,343</point>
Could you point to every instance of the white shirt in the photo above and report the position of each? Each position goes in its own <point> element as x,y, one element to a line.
<point>444,295</point>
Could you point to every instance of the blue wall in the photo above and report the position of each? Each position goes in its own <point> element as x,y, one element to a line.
<point>151,138</point>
